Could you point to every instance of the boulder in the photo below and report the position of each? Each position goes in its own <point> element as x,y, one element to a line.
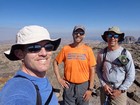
<point>129,39</point>
<point>138,41</point>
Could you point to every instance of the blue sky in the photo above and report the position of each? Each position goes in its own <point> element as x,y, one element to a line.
<point>60,16</point>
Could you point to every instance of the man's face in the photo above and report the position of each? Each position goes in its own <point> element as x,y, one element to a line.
<point>78,35</point>
<point>112,39</point>
<point>37,58</point>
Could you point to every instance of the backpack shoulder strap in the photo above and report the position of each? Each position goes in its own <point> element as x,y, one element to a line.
<point>123,51</point>
<point>104,57</point>
<point>104,54</point>
<point>49,98</point>
<point>38,100</point>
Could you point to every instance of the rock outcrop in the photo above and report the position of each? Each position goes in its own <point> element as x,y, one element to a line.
<point>129,39</point>
<point>138,41</point>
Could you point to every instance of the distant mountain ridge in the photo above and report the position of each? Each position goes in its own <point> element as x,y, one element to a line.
<point>6,41</point>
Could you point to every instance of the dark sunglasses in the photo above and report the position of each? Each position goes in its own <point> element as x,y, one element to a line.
<point>81,33</point>
<point>33,48</point>
<point>115,36</point>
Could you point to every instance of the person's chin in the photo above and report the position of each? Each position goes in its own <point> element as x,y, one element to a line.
<point>78,40</point>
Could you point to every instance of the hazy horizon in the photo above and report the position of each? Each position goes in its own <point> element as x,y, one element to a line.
<point>11,35</point>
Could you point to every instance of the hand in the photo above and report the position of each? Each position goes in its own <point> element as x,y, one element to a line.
<point>115,93</point>
<point>108,89</point>
<point>64,83</point>
<point>87,95</point>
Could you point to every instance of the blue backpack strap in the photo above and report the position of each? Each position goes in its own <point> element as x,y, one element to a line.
<point>38,100</point>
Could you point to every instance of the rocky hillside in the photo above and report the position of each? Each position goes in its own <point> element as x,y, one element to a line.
<point>8,68</point>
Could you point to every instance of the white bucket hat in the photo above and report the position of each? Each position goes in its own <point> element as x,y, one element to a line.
<point>28,35</point>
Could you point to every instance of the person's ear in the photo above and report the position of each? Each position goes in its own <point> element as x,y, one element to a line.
<point>19,53</point>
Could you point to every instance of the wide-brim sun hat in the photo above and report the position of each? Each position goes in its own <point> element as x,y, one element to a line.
<point>116,30</point>
<point>28,35</point>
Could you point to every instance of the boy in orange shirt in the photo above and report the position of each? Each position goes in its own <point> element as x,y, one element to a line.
<point>79,69</point>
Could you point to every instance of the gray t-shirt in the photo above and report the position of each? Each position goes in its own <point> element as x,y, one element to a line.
<point>120,77</point>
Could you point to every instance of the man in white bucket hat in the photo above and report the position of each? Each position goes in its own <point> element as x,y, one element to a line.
<point>115,69</point>
<point>29,86</point>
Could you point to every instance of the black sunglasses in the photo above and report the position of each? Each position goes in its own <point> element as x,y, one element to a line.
<point>33,48</point>
<point>81,33</point>
<point>115,36</point>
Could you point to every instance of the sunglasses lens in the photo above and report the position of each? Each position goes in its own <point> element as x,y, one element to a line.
<point>115,36</point>
<point>34,48</point>
<point>49,47</point>
<point>81,33</point>
<point>110,36</point>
